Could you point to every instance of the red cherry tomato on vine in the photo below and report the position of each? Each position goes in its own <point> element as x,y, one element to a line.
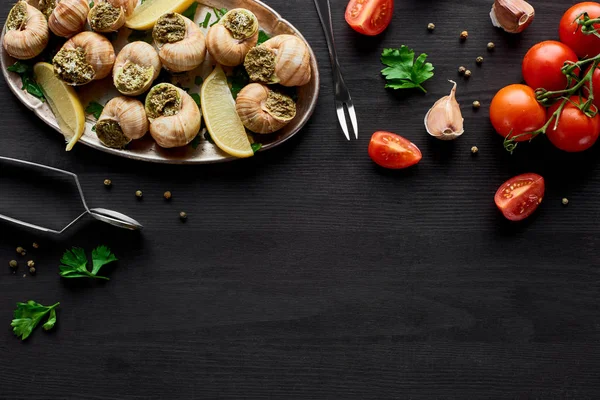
<point>542,65</point>
<point>520,196</point>
<point>515,110</point>
<point>575,131</point>
<point>595,85</point>
<point>571,33</point>
<point>393,151</point>
<point>369,17</point>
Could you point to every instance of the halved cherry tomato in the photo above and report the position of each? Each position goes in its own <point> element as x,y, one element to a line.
<point>515,110</point>
<point>575,131</point>
<point>520,196</point>
<point>393,151</point>
<point>369,17</point>
<point>542,65</point>
<point>571,34</point>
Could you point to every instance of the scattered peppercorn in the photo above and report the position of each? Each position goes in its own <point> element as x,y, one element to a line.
<point>35,245</point>
<point>565,201</point>
<point>168,195</point>
<point>461,70</point>
<point>107,182</point>
<point>20,250</point>
<point>464,35</point>
<point>491,46</point>
<point>468,73</point>
<point>30,264</point>
<point>13,264</point>
<point>431,26</point>
<point>476,104</point>
<point>32,270</point>
<point>139,194</point>
<point>474,150</point>
<point>183,216</point>
<point>479,60</point>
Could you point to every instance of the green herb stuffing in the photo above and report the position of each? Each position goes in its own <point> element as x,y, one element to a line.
<point>191,11</point>
<point>262,37</point>
<point>256,147</point>
<point>28,315</point>
<point>74,263</point>
<point>196,98</point>
<point>95,109</point>
<point>140,36</point>
<point>403,71</point>
<point>29,84</point>
<point>238,80</point>
<point>206,21</point>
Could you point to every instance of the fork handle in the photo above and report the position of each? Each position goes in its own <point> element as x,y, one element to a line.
<point>324,11</point>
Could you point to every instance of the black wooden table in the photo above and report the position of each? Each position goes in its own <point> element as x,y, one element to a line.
<point>307,272</point>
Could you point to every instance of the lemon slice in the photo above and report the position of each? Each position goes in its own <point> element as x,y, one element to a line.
<point>63,102</point>
<point>146,14</point>
<point>221,119</point>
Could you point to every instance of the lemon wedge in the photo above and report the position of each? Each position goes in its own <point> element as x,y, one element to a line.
<point>146,14</point>
<point>63,102</point>
<point>221,119</point>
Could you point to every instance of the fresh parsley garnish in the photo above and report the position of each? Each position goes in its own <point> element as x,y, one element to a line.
<point>195,142</point>
<point>29,84</point>
<point>238,80</point>
<point>140,36</point>
<point>91,4</point>
<point>198,81</point>
<point>28,315</point>
<point>256,147</point>
<point>196,98</point>
<point>219,12</point>
<point>403,71</point>
<point>262,37</point>
<point>206,20</point>
<point>191,11</point>
<point>74,263</point>
<point>95,109</point>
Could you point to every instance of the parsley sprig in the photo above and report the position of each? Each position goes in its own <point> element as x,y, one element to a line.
<point>25,71</point>
<point>403,71</point>
<point>95,109</point>
<point>28,315</point>
<point>74,263</point>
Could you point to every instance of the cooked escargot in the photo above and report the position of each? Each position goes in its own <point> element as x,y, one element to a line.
<point>180,41</point>
<point>68,17</point>
<point>106,17</point>
<point>173,114</point>
<point>264,110</point>
<point>123,119</point>
<point>85,57</point>
<point>26,32</point>
<point>284,59</point>
<point>136,67</point>
<point>232,37</point>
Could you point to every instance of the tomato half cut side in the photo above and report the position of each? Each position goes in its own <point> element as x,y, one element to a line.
<point>392,151</point>
<point>520,196</point>
<point>369,17</point>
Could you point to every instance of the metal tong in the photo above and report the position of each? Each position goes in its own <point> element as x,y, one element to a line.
<point>110,217</point>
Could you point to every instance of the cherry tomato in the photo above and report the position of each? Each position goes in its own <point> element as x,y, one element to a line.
<point>595,84</point>
<point>393,151</point>
<point>542,65</point>
<point>520,196</point>
<point>369,17</point>
<point>576,131</point>
<point>514,111</point>
<point>571,34</point>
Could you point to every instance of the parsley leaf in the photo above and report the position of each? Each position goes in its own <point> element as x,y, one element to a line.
<point>219,13</point>
<point>256,147</point>
<point>28,315</point>
<point>95,109</point>
<point>140,36</point>
<point>74,263</point>
<point>195,142</point>
<point>91,4</point>
<point>29,84</point>
<point>19,67</point>
<point>206,21</point>
<point>238,80</point>
<point>196,98</point>
<point>262,37</point>
<point>199,80</point>
<point>208,137</point>
<point>191,11</point>
<point>403,71</point>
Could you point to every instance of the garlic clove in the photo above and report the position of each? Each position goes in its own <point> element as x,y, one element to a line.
<point>444,120</point>
<point>514,16</point>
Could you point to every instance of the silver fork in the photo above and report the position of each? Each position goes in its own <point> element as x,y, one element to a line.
<point>342,96</point>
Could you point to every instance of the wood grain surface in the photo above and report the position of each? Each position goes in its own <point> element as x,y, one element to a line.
<point>309,273</point>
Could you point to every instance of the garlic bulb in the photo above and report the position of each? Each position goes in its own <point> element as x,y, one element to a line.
<point>106,17</point>
<point>85,57</point>
<point>284,59</point>
<point>263,110</point>
<point>180,41</point>
<point>136,67</point>
<point>514,16</point>
<point>69,17</point>
<point>173,114</point>
<point>444,120</point>
<point>26,33</point>
<point>123,120</point>
<point>231,39</point>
